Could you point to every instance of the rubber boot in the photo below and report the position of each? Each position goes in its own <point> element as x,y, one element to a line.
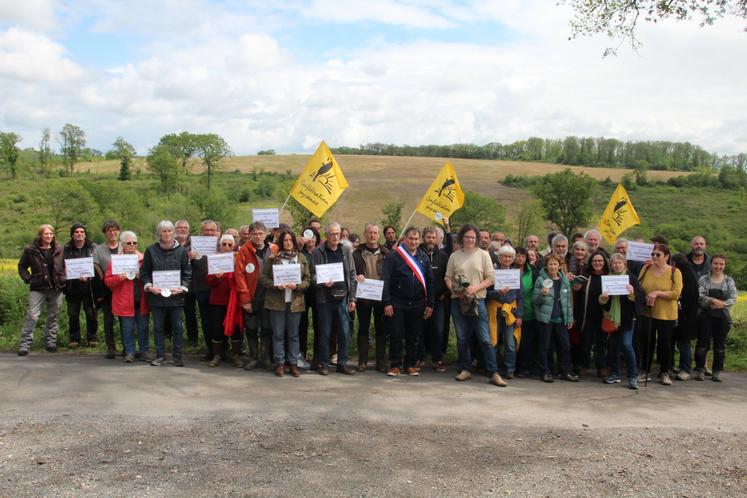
<point>217,347</point>
<point>253,357</point>
<point>264,354</point>
<point>236,354</point>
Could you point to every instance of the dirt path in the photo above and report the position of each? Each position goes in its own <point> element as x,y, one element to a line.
<point>77,425</point>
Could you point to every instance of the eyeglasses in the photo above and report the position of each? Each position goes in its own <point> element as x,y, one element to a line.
<point>226,244</point>
<point>657,254</point>
<point>130,243</point>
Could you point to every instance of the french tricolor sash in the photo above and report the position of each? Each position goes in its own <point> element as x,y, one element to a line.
<point>414,266</point>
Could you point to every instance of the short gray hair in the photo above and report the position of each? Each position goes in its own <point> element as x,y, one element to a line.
<point>227,236</point>
<point>127,234</point>
<point>559,238</point>
<point>332,225</point>
<point>507,249</point>
<point>163,225</point>
<point>617,255</point>
<point>593,230</point>
<point>581,243</point>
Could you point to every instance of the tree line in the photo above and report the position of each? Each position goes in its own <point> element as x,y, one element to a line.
<point>576,151</point>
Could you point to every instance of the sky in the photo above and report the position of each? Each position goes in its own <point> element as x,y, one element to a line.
<point>286,74</point>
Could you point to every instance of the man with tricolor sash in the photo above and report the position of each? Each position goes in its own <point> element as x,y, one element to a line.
<point>407,297</point>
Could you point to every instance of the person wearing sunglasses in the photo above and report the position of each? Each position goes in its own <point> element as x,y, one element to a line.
<point>662,285</point>
<point>222,285</point>
<point>129,303</point>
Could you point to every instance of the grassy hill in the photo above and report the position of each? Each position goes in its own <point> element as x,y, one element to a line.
<point>378,180</point>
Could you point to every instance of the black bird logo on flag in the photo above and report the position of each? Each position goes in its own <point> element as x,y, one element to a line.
<point>324,176</point>
<point>447,188</point>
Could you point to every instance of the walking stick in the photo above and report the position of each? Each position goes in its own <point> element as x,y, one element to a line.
<point>648,342</point>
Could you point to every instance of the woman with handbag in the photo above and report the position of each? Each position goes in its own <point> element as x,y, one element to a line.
<point>618,321</point>
<point>718,293</point>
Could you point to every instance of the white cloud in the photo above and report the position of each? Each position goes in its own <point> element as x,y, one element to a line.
<point>31,57</point>
<point>36,14</point>
<point>225,76</point>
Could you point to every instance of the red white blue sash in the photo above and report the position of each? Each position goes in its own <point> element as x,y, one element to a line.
<point>414,266</point>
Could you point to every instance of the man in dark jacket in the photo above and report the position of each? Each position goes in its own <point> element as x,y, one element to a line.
<point>369,263</point>
<point>334,300</point>
<point>79,292</point>
<point>199,291</point>
<point>408,298</point>
<point>433,329</point>
<point>698,257</point>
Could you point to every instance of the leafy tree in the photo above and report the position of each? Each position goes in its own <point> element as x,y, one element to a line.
<point>165,164</point>
<point>565,198</point>
<point>528,222</point>
<point>618,19</point>
<point>124,151</point>
<point>212,148</point>
<point>392,215</point>
<point>484,212</point>
<point>266,152</point>
<point>9,152</point>
<point>72,139</point>
<point>301,216</point>
<point>182,146</point>
<point>45,150</point>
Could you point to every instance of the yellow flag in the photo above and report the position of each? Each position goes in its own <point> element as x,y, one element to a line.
<point>320,183</point>
<point>619,215</point>
<point>443,197</point>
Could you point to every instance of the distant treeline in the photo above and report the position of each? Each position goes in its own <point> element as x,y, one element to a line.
<point>578,151</point>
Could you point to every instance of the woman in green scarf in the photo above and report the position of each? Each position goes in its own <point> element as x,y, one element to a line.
<point>621,310</point>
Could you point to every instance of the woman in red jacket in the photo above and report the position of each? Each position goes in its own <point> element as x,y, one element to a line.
<point>222,286</point>
<point>129,303</point>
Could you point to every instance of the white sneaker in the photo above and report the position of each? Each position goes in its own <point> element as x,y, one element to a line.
<point>682,375</point>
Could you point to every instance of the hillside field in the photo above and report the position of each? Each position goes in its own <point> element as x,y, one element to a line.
<point>378,180</point>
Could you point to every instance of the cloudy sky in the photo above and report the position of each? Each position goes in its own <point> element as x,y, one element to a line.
<point>285,74</point>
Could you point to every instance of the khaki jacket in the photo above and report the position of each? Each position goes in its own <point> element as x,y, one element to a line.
<point>274,297</point>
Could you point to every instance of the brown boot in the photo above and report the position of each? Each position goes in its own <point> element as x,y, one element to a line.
<point>236,354</point>
<point>279,370</point>
<point>295,371</point>
<point>217,350</point>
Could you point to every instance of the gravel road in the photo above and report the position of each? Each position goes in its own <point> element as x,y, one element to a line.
<point>86,426</point>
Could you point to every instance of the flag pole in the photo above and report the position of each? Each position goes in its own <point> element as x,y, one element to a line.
<point>404,227</point>
<point>286,202</point>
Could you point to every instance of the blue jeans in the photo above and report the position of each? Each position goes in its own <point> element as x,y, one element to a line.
<point>466,327</point>
<point>175,318</point>
<point>563,342</point>
<point>686,355</point>
<point>622,340</point>
<point>285,325</point>
<point>128,324</point>
<point>509,344</point>
<point>335,310</point>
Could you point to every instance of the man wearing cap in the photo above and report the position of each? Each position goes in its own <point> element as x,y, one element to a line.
<point>79,292</point>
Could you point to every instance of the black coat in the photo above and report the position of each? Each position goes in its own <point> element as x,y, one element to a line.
<point>687,317</point>
<point>156,258</point>
<point>36,270</point>
<point>402,289</point>
<point>76,287</point>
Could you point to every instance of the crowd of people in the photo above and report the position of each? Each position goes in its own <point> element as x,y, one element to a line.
<point>553,325</point>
